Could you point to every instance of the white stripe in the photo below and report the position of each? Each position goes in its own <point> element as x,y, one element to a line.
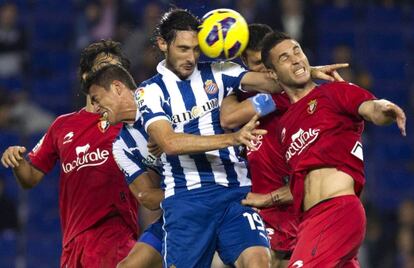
<point>123,161</point>
<point>165,237</point>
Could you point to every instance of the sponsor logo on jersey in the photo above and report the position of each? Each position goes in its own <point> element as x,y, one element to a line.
<point>195,112</point>
<point>357,151</point>
<point>297,264</point>
<point>283,135</point>
<point>312,106</point>
<point>68,137</point>
<point>301,140</point>
<point>139,96</point>
<point>210,87</point>
<point>40,142</point>
<point>84,158</point>
<point>103,125</point>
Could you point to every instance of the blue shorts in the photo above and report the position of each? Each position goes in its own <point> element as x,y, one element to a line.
<point>153,235</point>
<point>199,222</point>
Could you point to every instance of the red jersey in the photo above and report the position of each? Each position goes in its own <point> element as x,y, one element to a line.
<point>269,172</point>
<point>323,129</point>
<point>268,169</point>
<point>91,185</point>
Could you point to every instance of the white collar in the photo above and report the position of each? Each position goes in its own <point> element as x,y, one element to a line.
<point>167,73</point>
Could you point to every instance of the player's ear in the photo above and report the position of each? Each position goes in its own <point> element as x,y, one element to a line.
<point>162,44</point>
<point>272,74</point>
<point>116,86</point>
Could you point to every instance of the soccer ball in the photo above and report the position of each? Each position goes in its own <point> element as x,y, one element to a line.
<point>223,34</point>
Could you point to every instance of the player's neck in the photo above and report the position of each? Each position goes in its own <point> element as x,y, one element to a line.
<point>128,114</point>
<point>297,93</point>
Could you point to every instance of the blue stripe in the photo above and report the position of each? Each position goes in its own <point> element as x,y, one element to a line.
<point>231,82</point>
<point>207,74</point>
<point>138,126</point>
<point>166,104</point>
<point>200,160</point>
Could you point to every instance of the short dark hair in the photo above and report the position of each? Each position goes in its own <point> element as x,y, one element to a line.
<point>107,74</point>
<point>257,32</point>
<point>269,42</point>
<point>89,54</point>
<point>176,20</point>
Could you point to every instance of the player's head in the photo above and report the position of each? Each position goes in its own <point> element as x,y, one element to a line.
<point>284,56</point>
<point>251,56</point>
<point>176,36</point>
<point>110,89</point>
<point>98,55</point>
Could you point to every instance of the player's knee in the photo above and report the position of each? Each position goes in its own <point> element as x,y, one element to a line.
<point>254,257</point>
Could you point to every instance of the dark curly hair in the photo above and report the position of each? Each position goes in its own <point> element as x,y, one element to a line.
<point>174,20</point>
<point>98,55</point>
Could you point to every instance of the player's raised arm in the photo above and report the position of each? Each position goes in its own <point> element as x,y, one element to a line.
<point>180,143</point>
<point>25,173</point>
<point>383,112</point>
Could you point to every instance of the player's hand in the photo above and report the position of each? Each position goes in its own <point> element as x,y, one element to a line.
<point>257,200</point>
<point>249,135</point>
<point>153,148</point>
<point>395,113</point>
<point>13,156</point>
<point>328,72</point>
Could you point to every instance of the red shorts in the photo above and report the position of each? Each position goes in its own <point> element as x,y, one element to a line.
<point>103,245</point>
<point>330,234</point>
<point>281,225</point>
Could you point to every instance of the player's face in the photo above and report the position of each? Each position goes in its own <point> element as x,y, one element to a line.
<point>183,53</point>
<point>107,102</point>
<point>253,60</point>
<point>290,64</point>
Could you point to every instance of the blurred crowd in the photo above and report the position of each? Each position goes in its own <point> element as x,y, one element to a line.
<point>38,77</point>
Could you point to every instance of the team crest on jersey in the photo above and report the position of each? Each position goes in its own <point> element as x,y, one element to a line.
<point>312,106</point>
<point>210,87</point>
<point>103,125</point>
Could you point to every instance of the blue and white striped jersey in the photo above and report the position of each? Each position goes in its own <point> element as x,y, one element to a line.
<point>193,106</point>
<point>131,153</point>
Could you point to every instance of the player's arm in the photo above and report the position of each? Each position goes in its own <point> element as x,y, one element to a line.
<point>383,112</point>
<point>171,143</point>
<point>146,189</point>
<point>267,82</point>
<point>281,196</point>
<point>234,114</point>
<point>26,175</point>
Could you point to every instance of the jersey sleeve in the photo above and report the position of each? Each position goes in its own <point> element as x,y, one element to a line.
<point>129,160</point>
<point>231,74</point>
<point>348,97</point>
<point>45,154</point>
<point>149,100</point>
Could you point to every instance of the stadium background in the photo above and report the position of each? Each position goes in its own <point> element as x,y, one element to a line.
<point>38,81</point>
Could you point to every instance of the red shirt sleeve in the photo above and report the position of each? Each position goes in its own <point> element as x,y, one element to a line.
<point>44,155</point>
<point>348,97</point>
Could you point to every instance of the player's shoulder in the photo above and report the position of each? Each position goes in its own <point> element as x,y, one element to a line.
<point>61,119</point>
<point>337,85</point>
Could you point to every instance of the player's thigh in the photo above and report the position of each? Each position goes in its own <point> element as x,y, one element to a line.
<point>190,233</point>
<point>242,228</point>
<point>278,260</point>
<point>142,255</point>
<point>331,236</point>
